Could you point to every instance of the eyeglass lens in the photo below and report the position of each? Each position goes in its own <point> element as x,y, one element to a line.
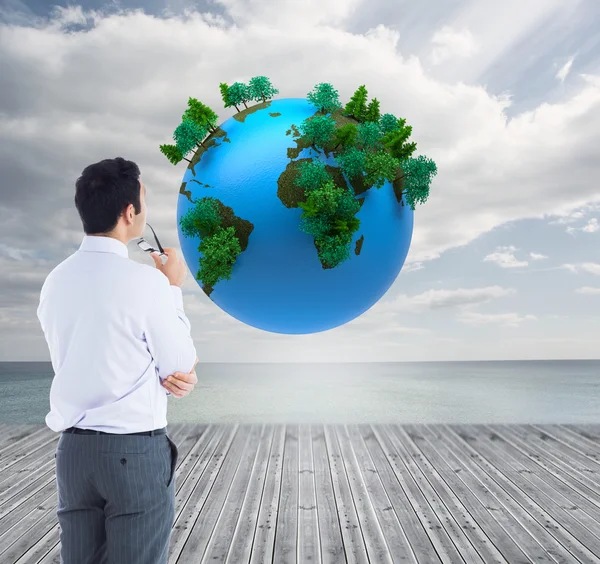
<point>145,246</point>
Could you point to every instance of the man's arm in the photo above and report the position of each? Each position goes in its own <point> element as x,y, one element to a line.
<point>167,329</point>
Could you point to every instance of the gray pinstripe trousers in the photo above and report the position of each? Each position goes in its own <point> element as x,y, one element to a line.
<point>116,498</point>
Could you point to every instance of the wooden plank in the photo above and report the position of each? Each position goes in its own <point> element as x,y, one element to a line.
<point>264,534</point>
<point>532,493</point>
<point>27,483</point>
<point>43,440</point>
<point>459,486</point>
<point>241,544</point>
<point>426,503</point>
<point>354,543</point>
<point>455,503</point>
<point>29,531</point>
<point>195,515</point>
<point>557,465</point>
<point>220,540</point>
<point>577,437</point>
<point>203,528</point>
<point>367,508</point>
<point>411,520</point>
<point>399,546</point>
<point>309,549</point>
<point>26,501</point>
<point>286,531</point>
<point>13,434</point>
<point>330,533</point>
<point>590,432</point>
<point>590,428</point>
<point>579,450</point>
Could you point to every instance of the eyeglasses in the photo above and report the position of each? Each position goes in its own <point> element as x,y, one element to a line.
<point>145,246</point>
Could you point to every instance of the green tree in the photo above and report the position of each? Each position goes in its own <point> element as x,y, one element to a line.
<point>345,135</point>
<point>210,118</point>
<point>219,253</point>
<point>342,225</point>
<point>387,123</point>
<point>184,144</point>
<point>311,175</point>
<point>418,173</point>
<point>324,199</point>
<point>172,153</point>
<point>373,112</point>
<point>225,96</point>
<point>352,162</point>
<point>188,134</point>
<point>201,114</point>
<point>324,97</point>
<point>379,167</point>
<point>201,220</point>
<point>318,130</point>
<point>348,205</point>
<point>239,93</point>
<point>368,135</point>
<point>309,208</point>
<point>260,88</point>
<point>395,141</point>
<point>334,249</point>
<point>357,106</point>
<point>316,226</point>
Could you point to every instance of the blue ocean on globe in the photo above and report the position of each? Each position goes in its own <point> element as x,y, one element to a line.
<point>278,283</point>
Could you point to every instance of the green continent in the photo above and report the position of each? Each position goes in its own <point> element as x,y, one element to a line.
<point>223,237</point>
<point>252,109</point>
<point>321,190</point>
<point>359,244</point>
<point>209,142</point>
<point>329,209</point>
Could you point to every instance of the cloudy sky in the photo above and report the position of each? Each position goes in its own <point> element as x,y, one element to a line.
<point>505,97</point>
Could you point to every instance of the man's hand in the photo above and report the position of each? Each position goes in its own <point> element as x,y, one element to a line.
<point>181,384</point>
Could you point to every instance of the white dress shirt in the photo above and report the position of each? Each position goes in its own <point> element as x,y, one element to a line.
<point>115,328</point>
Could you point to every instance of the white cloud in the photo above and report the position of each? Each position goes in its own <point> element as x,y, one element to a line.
<point>451,43</point>
<point>435,299</point>
<point>592,226</point>
<point>537,256</point>
<point>588,290</point>
<point>568,218</point>
<point>300,13</point>
<point>504,257</point>
<point>565,69</point>
<point>507,319</point>
<point>412,266</point>
<point>591,267</point>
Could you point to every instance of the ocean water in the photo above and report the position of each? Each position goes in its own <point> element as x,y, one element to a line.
<point>417,392</point>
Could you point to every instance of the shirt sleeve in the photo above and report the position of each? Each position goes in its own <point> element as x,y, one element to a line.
<point>167,330</point>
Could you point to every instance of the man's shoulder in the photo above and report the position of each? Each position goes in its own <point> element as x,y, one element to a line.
<point>148,273</point>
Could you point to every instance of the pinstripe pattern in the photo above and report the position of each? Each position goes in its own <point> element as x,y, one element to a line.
<point>116,498</point>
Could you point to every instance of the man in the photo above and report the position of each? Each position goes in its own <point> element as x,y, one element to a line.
<point>117,335</point>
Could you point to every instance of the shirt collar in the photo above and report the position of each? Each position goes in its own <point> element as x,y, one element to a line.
<point>96,243</point>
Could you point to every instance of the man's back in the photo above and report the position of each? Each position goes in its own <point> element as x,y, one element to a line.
<point>111,325</point>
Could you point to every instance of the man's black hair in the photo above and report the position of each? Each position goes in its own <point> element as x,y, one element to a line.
<point>103,192</point>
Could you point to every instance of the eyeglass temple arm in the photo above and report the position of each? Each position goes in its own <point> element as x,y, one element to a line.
<point>155,237</point>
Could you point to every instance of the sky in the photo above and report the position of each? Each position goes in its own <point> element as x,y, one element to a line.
<point>505,98</point>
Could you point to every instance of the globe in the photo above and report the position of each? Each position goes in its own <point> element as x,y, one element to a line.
<point>278,282</point>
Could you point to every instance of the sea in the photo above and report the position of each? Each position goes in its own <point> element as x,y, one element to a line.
<point>545,391</point>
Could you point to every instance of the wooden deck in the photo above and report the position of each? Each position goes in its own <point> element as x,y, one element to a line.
<point>345,493</point>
